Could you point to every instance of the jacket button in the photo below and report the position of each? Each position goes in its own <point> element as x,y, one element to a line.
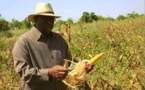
<point>52,57</point>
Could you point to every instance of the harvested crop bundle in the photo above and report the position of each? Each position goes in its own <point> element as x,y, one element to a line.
<point>78,73</point>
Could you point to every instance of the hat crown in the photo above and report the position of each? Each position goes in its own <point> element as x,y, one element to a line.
<point>43,8</point>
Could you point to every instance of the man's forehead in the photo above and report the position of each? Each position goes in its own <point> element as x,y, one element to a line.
<point>40,16</point>
<point>44,18</point>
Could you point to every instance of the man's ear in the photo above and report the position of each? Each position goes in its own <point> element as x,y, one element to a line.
<point>35,19</point>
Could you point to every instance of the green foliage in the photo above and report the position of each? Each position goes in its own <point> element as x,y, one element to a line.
<point>132,15</point>
<point>5,34</point>
<point>85,17</point>
<point>26,24</point>
<point>59,23</point>
<point>4,24</point>
<point>121,17</point>
<point>90,17</point>
<point>129,15</point>
<point>70,21</point>
<point>15,24</point>
<point>93,16</point>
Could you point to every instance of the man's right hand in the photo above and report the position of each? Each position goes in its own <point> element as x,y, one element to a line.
<point>59,72</point>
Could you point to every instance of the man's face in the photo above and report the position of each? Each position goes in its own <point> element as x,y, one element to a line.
<point>44,23</point>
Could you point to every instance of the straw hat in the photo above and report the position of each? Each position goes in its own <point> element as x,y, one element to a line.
<point>44,9</point>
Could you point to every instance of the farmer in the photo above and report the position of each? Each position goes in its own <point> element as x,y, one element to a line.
<point>39,53</point>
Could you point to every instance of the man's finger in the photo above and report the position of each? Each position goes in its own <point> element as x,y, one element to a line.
<point>63,70</point>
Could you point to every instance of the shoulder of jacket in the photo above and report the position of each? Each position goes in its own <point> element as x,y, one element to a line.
<point>24,37</point>
<point>57,35</point>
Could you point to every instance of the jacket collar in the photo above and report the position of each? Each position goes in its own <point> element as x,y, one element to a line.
<point>38,35</point>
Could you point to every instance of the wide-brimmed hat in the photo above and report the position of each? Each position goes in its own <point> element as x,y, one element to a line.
<point>44,9</point>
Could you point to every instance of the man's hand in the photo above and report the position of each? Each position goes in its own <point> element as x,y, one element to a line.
<point>89,67</point>
<point>59,72</point>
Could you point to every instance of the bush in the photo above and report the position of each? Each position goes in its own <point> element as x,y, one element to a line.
<point>4,25</point>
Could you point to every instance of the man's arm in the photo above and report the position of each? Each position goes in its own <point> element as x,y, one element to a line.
<point>23,66</point>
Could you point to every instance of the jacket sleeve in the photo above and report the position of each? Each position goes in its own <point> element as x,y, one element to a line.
<point>23,66</point>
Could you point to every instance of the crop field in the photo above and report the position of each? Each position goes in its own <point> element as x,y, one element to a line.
<point>122,41</point>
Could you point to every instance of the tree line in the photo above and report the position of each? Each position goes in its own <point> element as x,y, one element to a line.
<point>85,18</point>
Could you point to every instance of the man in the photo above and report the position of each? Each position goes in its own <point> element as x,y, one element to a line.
<point>39,53</point>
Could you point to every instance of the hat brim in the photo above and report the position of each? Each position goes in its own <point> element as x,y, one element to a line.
<point>31,17</point>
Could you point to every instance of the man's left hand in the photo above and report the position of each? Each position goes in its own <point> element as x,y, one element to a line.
<point>89,67</point>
